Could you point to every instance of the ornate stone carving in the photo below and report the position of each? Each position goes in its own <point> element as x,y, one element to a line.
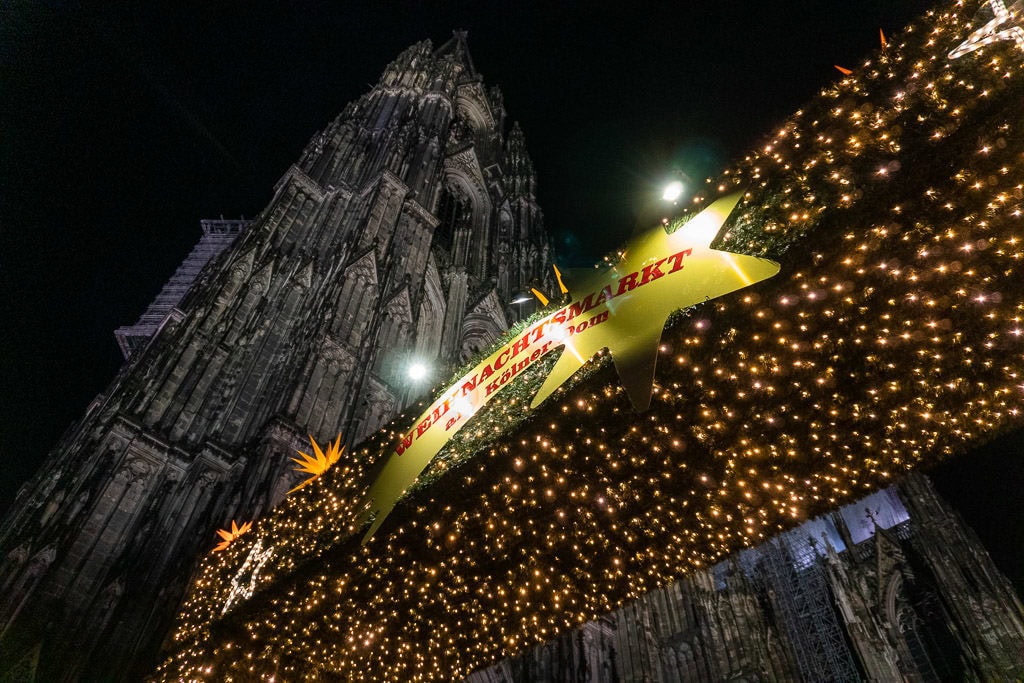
<point>207,479</point>
<point>338,359</point>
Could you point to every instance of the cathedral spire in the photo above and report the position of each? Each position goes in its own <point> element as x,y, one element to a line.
<point>457,48</point>
<point>520,178</point>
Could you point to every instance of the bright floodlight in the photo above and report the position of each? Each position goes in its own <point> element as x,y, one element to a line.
<point>672,191</point>
<point>417,371</point>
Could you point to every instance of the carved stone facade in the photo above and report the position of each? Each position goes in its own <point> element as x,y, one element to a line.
<point>893,588</point>
<point>404,231</point>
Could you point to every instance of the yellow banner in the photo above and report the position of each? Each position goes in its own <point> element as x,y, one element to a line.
<point>622,308</point>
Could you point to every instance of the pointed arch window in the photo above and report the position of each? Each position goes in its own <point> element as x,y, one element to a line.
<point>455,212</point>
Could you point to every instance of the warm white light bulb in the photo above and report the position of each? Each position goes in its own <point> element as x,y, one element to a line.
<point>672,191</point>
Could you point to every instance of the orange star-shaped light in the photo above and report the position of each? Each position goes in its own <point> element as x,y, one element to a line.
<point>229,536</point>
<point>315,465</point>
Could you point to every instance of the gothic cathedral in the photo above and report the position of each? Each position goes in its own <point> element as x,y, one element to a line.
<point>404,231</point>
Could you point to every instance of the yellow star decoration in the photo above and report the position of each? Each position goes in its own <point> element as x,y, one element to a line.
<point>623,309</point>
<point>228,536</point>
<point>658,274</point>
<point>318,463</point>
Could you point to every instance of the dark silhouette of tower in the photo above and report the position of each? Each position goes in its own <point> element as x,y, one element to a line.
<point>403,232</point>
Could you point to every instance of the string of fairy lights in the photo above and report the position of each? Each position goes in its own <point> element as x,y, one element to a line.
<point>891,339</point>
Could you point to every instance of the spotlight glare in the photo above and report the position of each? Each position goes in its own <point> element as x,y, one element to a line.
<point>417,371</point>
<point>672,191</point>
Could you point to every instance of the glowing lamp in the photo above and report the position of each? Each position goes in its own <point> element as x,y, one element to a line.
<point>672,191</point>
<point>417,371</point>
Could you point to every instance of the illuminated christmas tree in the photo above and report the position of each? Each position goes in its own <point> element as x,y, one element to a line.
<point>891,339</point>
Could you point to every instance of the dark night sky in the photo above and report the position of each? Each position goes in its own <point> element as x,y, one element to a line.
<point>121,126</point>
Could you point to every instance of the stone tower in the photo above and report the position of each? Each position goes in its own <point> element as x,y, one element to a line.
<point>405,230</point>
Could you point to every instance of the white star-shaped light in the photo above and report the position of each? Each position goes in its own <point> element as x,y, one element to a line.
<point>988,34</point>
<point>243,583</point>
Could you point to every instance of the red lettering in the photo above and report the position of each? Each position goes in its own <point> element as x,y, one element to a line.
<point>627,284</point>
<point>438,413</point>
<point>492,387</point>
<point>559,317</point>
<point>450,423</point>
<point>469,386</point>
<point>520,345</point>
<point>406,442</point>
<point>501,359</point>
<point>580,307</point>
<point>486,372</point>
<point>677,260</point>
<point>652,272</point>
<point>606,294</point>
<point>422,427</point>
